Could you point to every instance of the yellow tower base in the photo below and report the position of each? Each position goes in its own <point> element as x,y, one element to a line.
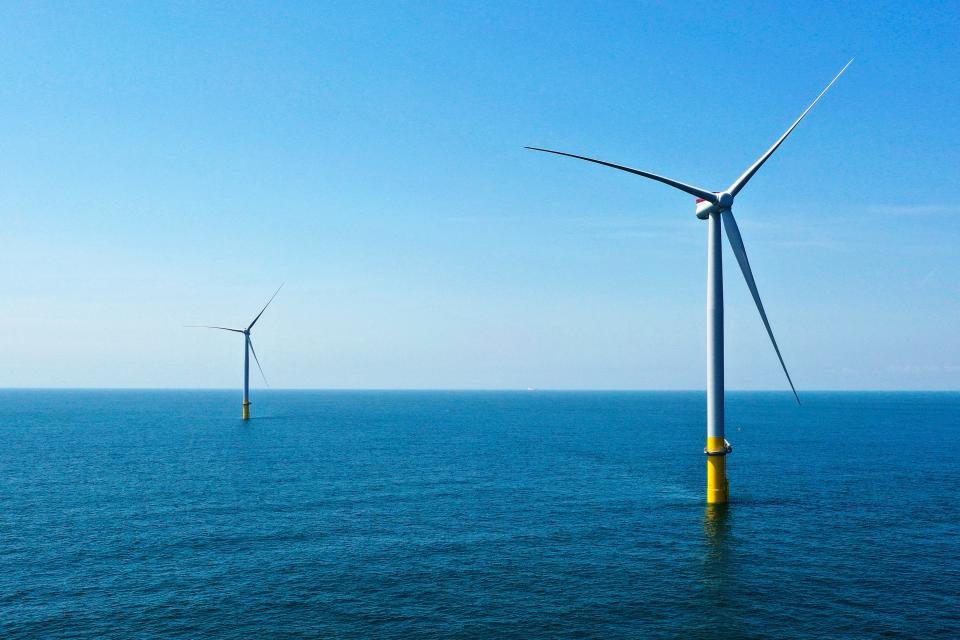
<point>246,410</point>
<point>718,489</point>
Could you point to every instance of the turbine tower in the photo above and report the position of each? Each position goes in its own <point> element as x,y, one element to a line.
<point>247,350</point>
<point>717,208</point>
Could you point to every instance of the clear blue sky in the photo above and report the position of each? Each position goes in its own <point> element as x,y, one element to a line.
<point>167,164</point>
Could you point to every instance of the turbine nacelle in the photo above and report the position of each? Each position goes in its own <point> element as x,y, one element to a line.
<point>705,207</point>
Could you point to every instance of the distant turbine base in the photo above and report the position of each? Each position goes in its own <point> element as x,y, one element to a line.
<point>246,410</point>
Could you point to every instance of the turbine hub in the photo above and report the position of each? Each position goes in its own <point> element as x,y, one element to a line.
<point>725,200</point>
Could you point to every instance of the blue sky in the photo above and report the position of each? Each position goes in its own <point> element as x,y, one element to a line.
<point>167,164</point>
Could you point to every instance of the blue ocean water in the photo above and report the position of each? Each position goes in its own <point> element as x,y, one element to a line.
<point>160,514</point>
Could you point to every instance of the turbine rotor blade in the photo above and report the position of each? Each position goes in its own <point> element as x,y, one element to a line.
<point>742,180</point>
<point>206,326</point>
<point>257,360</point>
<point>694,191</point>
<point>736,243</point>
<point>265,307</point>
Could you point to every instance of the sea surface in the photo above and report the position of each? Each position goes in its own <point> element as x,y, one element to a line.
<point>160,514</point>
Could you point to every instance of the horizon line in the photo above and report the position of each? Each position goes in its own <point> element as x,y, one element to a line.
<point>477,389</point>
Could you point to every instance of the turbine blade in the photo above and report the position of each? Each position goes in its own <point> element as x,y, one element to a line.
<point>694,191</point>
<point>206,326</point>
<point>265,307</point>
<point>257,360</point>
<point>742,180</point>
<point>736,243</point>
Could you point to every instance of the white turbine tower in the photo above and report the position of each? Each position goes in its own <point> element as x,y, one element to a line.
<point>247,350</point>
<point>716,206</point>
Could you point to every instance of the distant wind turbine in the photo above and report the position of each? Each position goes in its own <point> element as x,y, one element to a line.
<point>247,350</point>
<point>716,206</point>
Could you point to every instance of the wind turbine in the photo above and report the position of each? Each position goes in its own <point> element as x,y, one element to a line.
<point>247,350</point>
<point>715,206</point>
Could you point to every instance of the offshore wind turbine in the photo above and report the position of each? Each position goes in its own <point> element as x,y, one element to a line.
<point>717,206</point>
<point>247,350</point>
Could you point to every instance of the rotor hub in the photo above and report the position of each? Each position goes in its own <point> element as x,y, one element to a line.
<point>725,200</point>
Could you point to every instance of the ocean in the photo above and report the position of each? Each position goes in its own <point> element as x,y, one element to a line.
<point>368,514</point>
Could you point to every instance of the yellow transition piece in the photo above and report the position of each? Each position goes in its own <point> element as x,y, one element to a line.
<point>718,489</point>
